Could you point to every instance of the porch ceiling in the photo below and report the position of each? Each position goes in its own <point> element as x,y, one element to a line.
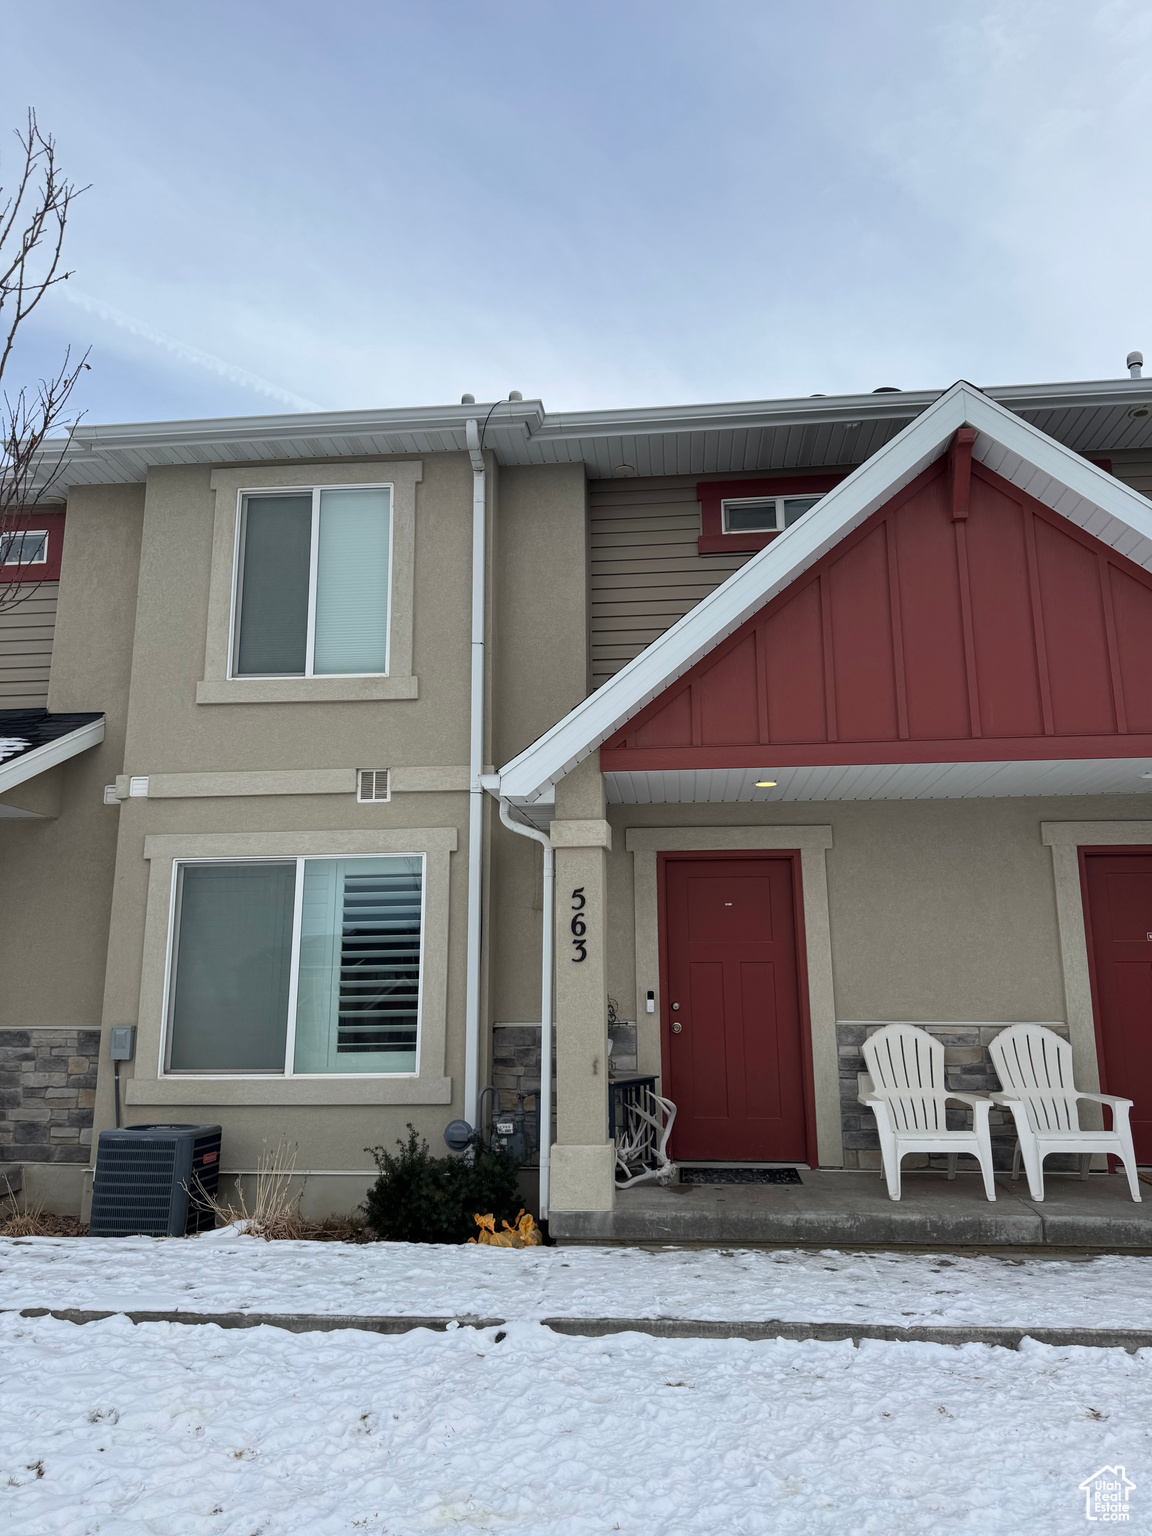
<point>886,781</point>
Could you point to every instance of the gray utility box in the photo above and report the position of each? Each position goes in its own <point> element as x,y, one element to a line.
<point>152,1180</point>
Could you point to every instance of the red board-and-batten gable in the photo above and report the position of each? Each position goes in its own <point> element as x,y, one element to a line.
<point>962,622</point>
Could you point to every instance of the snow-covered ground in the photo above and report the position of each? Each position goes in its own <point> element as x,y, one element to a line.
<point>163,1430</point>
<point>424,1280</point>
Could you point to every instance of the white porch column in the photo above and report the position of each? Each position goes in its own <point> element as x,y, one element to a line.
<point>583,1160</point>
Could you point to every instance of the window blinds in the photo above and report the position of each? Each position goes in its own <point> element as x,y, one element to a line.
<point>358,1003</point>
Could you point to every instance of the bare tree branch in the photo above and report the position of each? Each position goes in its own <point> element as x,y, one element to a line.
<point>36,424</point>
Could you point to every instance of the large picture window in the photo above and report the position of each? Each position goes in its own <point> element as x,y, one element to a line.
<point>296,967</point>
<point>312,589</point>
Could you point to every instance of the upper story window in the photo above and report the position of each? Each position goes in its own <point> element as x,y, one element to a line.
<point>742,516</point>
<point>313,583</point>
<point>763,514</point>
<point>24,547</point>
<point>30,547</point>
<point>296,967</point>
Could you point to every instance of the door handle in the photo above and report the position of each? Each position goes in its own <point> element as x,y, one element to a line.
<point>677,1027</point>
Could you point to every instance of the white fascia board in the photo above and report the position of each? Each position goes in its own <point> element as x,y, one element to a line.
<point>820,410</point>
<point>128,448</point>
<point>19,769</point>
<point>844,508</point>
<point>524,414</point>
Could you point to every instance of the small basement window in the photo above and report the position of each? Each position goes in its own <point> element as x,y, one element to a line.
<point>764,514</point>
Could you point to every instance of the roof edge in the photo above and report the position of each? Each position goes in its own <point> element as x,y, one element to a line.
<point>18,770</point>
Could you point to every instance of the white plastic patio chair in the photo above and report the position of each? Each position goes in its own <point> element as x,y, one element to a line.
<point>1035,1069</point>
<point>909,1098</point>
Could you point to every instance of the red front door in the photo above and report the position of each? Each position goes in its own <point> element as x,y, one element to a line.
<point>1119,893</point>
<point>732,1043</point>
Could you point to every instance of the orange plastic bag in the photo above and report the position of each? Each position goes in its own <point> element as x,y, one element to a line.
<point>524,1234</point>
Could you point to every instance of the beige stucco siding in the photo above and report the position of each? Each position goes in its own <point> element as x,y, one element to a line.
<point>539,673</point>
<point>169,732</point>
<point>195,752</point>
<point>56,872</point>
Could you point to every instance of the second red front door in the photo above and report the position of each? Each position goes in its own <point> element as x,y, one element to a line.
<point>1119,891</point>
<point>733,1060</point>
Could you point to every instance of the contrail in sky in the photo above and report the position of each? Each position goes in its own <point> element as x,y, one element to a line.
<point>180,349</point>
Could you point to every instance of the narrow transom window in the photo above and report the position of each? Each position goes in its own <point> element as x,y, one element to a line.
<point>312,588</point>
<point>24,547</point>
<point>297,966</point>
<point>764,514</point>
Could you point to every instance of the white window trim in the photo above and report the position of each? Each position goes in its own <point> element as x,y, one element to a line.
<point>746,501</point>
<point>315,491</point>
<point>150,1085</point>
<point>218,685</point>
<point>8,539</point>
<point>293,975</point>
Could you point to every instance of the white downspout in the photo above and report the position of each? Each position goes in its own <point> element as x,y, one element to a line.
<point>475,789</point>
<point>544,1102</point>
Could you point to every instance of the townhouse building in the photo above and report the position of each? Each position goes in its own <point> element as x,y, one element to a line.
<point>829,712</point>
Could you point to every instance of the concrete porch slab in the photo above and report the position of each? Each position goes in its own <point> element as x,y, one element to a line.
<point>833,1209</point>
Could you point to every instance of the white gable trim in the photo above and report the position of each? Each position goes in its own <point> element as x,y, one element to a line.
<point>1088,496</point>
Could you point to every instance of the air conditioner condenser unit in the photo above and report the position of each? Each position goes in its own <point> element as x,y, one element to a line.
<point>155,1181</point>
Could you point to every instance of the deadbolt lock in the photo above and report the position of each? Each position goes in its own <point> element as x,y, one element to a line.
<point>675,1007</point>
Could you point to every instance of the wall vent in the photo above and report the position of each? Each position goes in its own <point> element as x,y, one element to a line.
<point>373,784</point>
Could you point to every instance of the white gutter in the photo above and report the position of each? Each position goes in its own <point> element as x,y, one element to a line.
<point>526,433</point>
<point>544,1098</point>
<point>475,788</point>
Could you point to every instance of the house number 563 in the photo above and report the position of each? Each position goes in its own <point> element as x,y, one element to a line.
<point>579,927</point>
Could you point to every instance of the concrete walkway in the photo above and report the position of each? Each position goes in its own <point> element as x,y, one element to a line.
<point>1130,1339</point>
<point>832,1209</point>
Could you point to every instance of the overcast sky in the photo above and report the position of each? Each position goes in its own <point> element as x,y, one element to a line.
<point>298,205</point>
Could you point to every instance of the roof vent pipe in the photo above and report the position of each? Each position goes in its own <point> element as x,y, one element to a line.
<point>467,399</point>
<point>1135,361</point>
<point>514,394</point>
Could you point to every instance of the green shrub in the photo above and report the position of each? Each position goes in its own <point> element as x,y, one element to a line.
<point>419,1198</point>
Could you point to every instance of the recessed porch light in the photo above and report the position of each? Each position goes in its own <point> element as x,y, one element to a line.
<point>1146,775</point>
<point>771,783</point>
<point>1137,411</point>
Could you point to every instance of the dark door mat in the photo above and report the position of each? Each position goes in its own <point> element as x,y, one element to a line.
<point>739,1176</point>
